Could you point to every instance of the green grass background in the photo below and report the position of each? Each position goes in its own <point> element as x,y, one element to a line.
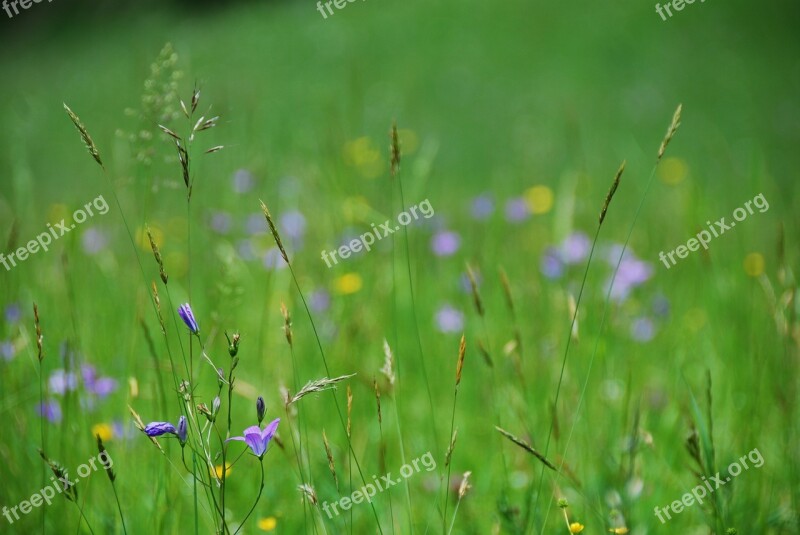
<point>501,96</point>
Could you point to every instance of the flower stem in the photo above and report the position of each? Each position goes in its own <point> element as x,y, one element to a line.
<point>258,498</point>
<point>119,507</point>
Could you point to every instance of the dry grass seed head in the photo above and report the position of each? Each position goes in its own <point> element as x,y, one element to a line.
<point>527,447</point>
<point>317,385</point>
<point>611,192</point>
<point>274,231</point>
<point>673,127</point>
<point>87,139</point>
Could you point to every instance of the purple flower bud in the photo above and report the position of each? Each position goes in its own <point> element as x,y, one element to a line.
<point>215,405</point>
<point>261,408</point>
<point>156,429</point>
<point>50,410</point>
<point>182,429</point>
<point>185,312</point>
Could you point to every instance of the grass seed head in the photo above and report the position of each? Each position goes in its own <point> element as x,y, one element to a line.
<point>87,139</point>
<point>673,127</point>
<point>611,192</point>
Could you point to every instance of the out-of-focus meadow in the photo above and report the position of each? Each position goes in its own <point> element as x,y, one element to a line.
<point>512,119</point>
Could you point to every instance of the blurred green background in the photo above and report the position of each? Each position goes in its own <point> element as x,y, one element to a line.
<point>491,99</point>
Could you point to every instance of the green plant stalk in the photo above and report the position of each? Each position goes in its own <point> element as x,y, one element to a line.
<point>450,464</point>
<point>416,322</point>
<point>119,508</point>
<point>333,393</point>
<point>41,431</point>
<point>606,307</point>
<point>258,498</point>
<point>530,508</point>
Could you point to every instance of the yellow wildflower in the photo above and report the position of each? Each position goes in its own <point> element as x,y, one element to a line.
<point>218,470</point>
<point>105,431</point>
<point>754,264</point>
<point>267,524</point>
<point>672,171</point>
<point>348,283</point>
<point>539,199</point>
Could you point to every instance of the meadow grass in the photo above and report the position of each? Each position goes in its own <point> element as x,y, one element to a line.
<point>551,401</point>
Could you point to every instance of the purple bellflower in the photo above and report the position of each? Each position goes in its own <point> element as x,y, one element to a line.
<point>261,408</point>
<point>156,429</point>
<point>182,430</point>
<point>257,439</point>
<point>185,312</point>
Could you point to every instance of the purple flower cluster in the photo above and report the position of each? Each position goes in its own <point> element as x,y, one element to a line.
<point>62,382</point>
<point>253,226</point>
<point>12,315</point>
<point>632,273</point>
<point>573,250</point>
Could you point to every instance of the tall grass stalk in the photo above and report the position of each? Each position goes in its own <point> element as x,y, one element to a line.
<point>285,257</point>
<point>462,348</point>
<point>607,303</point>
<point>529,508</point>
<point>394,170</point>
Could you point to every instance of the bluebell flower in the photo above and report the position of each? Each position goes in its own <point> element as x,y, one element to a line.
<point>661,306</point>
<point>517,210</point>
<point>245,250</point>
<point>185,312</point>
<point>643,330</point>
<point>221,222</point>
<point>552,265</point>
<point>61,382</point>
<point>320,300</point>
<point>274,260</point>
<point>466,285</point>
<point>243,181</point>
<point>13,313</point>
<point>7,349</point>
<point>575,248</point>
<point>156,429</point>
<point>182,429</point>
<point>103,386</point>
<point>51,410</point>
<point>255,224</point>
<point>257,439</point>
<point>482,207</point>
<point>631,274</point>
<point>449,319</point>
<point>293,225</point>
<point>445,243</point>
<point>94,240</point>
<point>99,386</point>
<point>261,408</point>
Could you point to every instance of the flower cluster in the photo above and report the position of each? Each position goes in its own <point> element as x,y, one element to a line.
<point>85,381</point>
